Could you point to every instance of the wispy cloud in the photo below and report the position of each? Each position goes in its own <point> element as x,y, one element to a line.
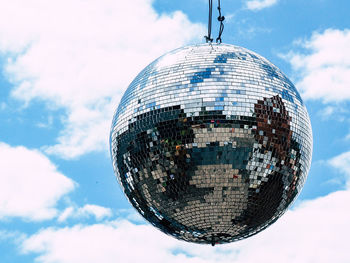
<point>98,212</point>
<point>3,106</point>
<point>342,163</point>
<point>260,4</point>
<point>47,124</point>
<point>334,111</point>
<point>248,31</point>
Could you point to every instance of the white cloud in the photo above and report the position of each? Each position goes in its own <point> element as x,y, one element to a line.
<point>131,215</point>
<point>30,184</point>
<point>342,163</point>
<point>80,55</point>
<point>328,111</point>
<point>3,106</point>
<point>47,124</point>
<point>99,212</point>
<point>324,67</point>
<point>260,4</point>
<point>68,212</point>
<point>114,242</point>
<point>334,111</point>
<point>316,231</point>
<point>15,237</point>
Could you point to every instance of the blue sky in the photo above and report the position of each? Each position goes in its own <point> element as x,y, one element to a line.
<point>64,66</point>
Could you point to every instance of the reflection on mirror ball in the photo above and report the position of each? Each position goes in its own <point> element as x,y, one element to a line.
<point>211,143</point>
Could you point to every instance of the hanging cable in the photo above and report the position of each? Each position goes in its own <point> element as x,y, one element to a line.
<point>221,20</point>
<point>208,37</point>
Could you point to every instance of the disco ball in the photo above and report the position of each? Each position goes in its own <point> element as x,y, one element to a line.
<point>211,143</point>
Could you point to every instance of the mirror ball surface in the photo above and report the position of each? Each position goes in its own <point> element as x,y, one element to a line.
<point>211,143</point>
